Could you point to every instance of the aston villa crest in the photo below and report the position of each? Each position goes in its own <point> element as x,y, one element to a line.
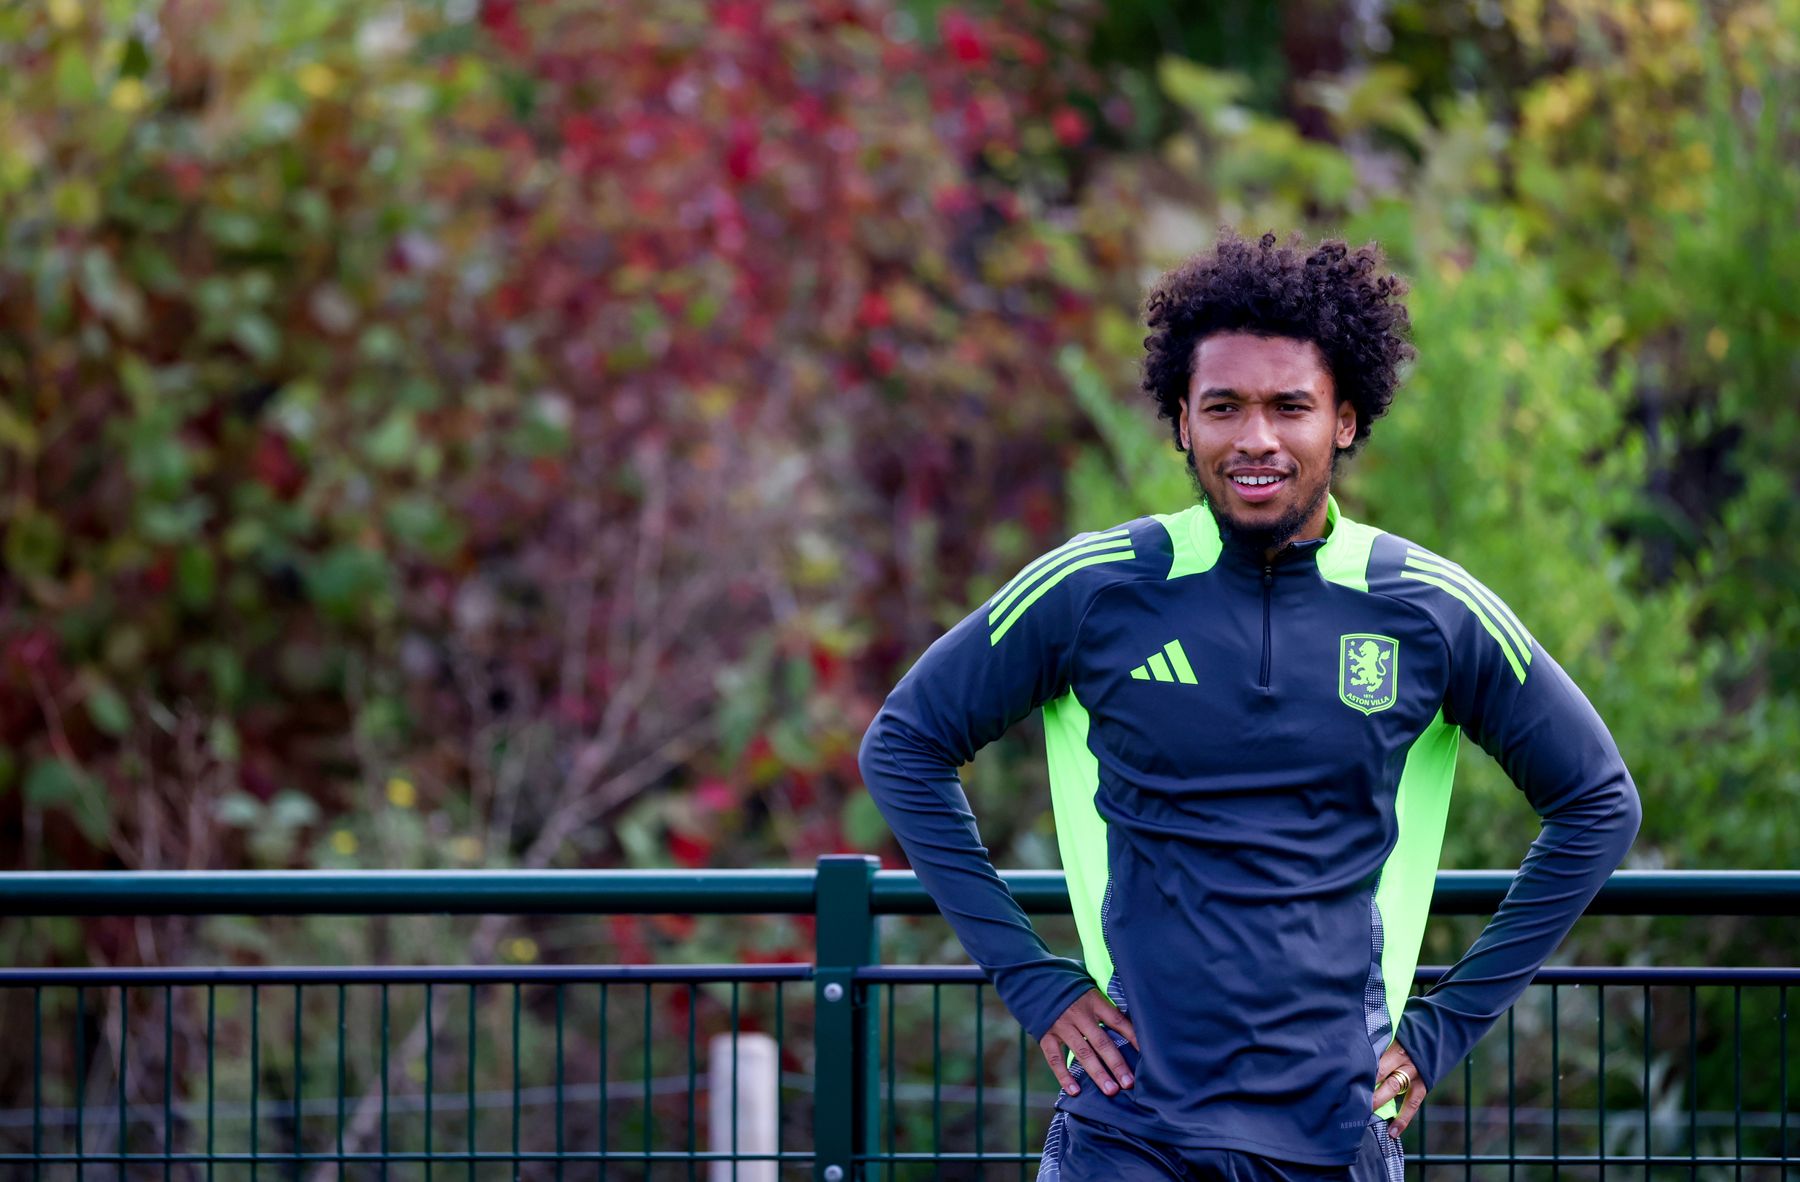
<point>1368,671</point>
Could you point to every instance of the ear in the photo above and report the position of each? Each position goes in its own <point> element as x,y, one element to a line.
<point>1181,428</point>
<point>1346,423</point>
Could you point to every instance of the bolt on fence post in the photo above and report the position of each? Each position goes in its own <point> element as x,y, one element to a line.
<point>844,1089</point>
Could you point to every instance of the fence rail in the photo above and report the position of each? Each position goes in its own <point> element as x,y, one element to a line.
<point>879,1070</point>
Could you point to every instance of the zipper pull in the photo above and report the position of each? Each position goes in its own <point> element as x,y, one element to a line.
<point>1268,575</point>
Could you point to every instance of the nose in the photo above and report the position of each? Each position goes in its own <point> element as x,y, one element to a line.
<point>1256,436</point>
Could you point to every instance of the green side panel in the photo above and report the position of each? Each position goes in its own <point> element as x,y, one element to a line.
<point>1408,876</point>
<point>1080,830</point>
<point>1344,558</point>
<point>1141,673</point>
<point>1194,536</point>
<point>1179,662</point>
<point>1160,667</point>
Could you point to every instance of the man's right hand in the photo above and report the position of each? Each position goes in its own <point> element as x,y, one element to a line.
<point>1079,1029</point>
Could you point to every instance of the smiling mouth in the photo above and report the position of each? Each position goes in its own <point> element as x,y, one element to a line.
<point>1256,481</point>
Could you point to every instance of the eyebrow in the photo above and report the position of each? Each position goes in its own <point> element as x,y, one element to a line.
<point>1279,395</point>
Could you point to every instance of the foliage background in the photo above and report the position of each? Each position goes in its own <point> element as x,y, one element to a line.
<point>502,434</point>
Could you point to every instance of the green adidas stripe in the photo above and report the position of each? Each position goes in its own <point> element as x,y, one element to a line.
<point>1430,563</point>
<point>1055,577</point>
<point>1178,658</point>
<point>1159,668</point>
<point>1007,601</point>
<point>1017,583</point>
<point>1480,614</point>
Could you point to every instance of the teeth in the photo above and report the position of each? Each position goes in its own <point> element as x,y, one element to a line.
<point>1256,479</point>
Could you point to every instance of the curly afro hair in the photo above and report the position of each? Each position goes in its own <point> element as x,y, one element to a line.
<point>1340,299</point>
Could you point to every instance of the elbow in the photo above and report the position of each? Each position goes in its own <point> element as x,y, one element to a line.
<point>1631,813</point>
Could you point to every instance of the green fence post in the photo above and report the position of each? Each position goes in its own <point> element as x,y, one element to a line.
<point>844,1090</point>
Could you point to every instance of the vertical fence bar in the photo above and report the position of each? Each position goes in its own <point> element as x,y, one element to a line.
<point>693,1052</point>
<point>515,1075</point>
<point>1693,1080</point>
<point>37,1081</point>
<point>980,1076</point>
<point>937,1070</point>
<point>255,1072</point>
<point>603,1073</point>
<point>1782,1017</point>
<point>340,1082</point>
<point>1649,1140</point>
<point>893,1053</point>
<point>1512,1096</point>
<point>734,1079</point>
<point>469,1083</point>
<point>648,1114</point>
<point>1737,1078</point>
<point>1555,1088</point>
<point>124,1041</point>
<point>1601,1011</point>
<point>384,1082</point>
<point>430,1076</point>
<point>780,1055</point>
<point>168,1137</point>
<point>211,1051</point>
<point>846,1094</point>
<point>1469,1117</point>
<point>81,1065</point>
<point>299,1084</point>
<point>559,1082</point>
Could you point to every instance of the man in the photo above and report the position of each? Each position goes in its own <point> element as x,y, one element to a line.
<point>1252,710</point>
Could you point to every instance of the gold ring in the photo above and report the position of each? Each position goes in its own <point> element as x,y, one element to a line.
<point>1405,1079</point>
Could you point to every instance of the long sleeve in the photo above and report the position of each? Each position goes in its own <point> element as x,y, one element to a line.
<point>1512,698</point>
<point>985,674</point>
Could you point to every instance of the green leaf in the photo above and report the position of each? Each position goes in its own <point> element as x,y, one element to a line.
<point>240,810</point>
<point>75,77</point>
<point>391,444</point>
<point>257,335</point>
<point>54,784</point>
<point>344,580</point>
<point>107,707</point>
<point>34,544</point>
<point>864,826</point>
<point>196,577</point>
<point>420,522</point>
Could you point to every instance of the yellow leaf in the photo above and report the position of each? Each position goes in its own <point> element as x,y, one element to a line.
<point>129,96</point>
<point>1718,343</point>
<point>344,842</point>
<point>400,792</point>
<point>316,79</point>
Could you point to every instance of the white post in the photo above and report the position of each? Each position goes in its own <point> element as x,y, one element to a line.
<point>758,1075</point>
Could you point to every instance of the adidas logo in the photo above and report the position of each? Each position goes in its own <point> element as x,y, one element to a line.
<point>1169,665</point>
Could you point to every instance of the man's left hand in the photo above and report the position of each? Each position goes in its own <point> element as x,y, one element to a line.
<point>1388,1086</point>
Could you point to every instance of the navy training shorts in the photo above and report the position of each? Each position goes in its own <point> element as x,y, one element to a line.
<point>1081,1150</point>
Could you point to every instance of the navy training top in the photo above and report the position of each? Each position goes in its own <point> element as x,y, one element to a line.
<point>1250,770</point>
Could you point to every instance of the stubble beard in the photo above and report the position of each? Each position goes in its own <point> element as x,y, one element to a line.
<point>1259,540</point>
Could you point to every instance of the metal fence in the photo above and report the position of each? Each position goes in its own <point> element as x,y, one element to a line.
<point>878,1070</point>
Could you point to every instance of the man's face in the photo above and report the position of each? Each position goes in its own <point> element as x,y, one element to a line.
<point>1262,426</point>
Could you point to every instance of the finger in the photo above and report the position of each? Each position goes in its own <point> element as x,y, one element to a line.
<point>1118,1021</point>
<point>1109,1054</point>
<point>1089,1056</point>
<point>1415,1096</point>
<point>1053,1055</point>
